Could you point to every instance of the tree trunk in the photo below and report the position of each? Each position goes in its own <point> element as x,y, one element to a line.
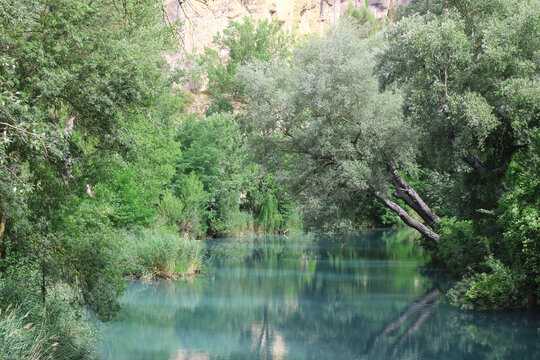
<point>407,219</point>
<point>406,193</point>
<point>69,160</point>
<point>43,284</point>
<point>3,247</point>
<point>481,169</point>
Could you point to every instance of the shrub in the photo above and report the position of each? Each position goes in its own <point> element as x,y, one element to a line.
<point>520,219</point>
<point>171,212</point>
<point>363,18</point>
<point>459,248</point>
<point>194,200</point>
<point>487,291</point>
<point>218,106</point>
<point>229,219</point>
<point>293,220</point>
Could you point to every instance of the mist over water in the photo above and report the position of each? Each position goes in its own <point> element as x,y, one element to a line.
<point>370,296</point>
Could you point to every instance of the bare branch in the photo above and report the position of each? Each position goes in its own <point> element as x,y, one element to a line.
<point>13,173</point>
<point>157,126</point>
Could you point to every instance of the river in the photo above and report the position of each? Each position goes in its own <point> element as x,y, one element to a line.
<point>370,296</point>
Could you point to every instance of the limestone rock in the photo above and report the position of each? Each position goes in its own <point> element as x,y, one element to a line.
<point>300,16</point>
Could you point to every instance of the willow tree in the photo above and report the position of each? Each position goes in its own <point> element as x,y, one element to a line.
<point>469,72</point>
<point>322,121</point>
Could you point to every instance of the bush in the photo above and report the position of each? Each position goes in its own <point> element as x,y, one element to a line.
<point>194,199</point>
<point>171,212</point>
<point>487,291</point>
<point>520,219</point>
<point>362,18</point>
<point>459,248</point>
<point>293,220</point>
<point>229,219</point>
<point>218,106</point>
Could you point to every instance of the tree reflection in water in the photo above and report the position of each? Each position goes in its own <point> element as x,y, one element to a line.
<point>361,297</point>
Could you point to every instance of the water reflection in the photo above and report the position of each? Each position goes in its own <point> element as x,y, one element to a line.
<point>299,298</point>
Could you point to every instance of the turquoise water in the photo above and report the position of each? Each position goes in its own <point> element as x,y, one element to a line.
<point>364,297</point>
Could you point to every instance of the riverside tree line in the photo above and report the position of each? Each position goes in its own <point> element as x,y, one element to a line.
<point>430,122</point>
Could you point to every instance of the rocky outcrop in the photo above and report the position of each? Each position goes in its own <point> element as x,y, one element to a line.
<point>203,21</point>
<point>381,8</point>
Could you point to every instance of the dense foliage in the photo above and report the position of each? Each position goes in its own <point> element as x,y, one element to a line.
<point>86,149</point>
<point>325,117</point>
<point>469,72</point>
<point>103,174</point>
<point>455,127</point>
<point>242,42</point>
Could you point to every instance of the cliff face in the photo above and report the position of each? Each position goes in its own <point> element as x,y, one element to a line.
<point>299,16</point>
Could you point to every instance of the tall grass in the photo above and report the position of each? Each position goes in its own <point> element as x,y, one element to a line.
<point>153,253</point>
<point>20,338</point>
<point>30,331</point>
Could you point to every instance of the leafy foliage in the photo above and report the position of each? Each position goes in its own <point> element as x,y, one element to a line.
<point>469,73</point>
<point>521,219</point>
<point>362,18</point>
<point>459,247</point>
<point>486,291</point>
<point>242,42</point>
<point>86,147</point>
<point>463,66</point>
<point>324,126</point>
<point>214,150</point>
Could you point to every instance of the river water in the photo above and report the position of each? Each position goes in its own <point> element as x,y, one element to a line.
<point>370,296</point>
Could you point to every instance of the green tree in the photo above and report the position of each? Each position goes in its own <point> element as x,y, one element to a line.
<point>74,75</point>
<point>193,199</point>
<point>520,219</point>
<point>363,18</point>
<point>339,137</point>
<point>243,42</point>
<point>470,76</point>
<point>469,73</point>
<point>213,149</point>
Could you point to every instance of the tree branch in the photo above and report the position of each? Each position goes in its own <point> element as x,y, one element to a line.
<point>475,163</point>
<point>355,143</point>
<point>481,169</point>
<point>407,219</point>
<point>406,193</point>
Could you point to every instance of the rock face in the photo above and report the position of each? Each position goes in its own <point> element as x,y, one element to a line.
<point>299,16</point>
